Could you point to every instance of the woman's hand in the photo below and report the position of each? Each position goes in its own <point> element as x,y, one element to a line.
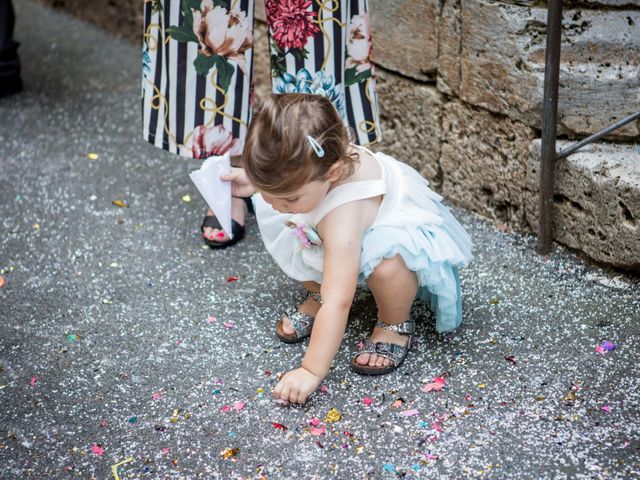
<point>296,386</point>
<point>240,185</point>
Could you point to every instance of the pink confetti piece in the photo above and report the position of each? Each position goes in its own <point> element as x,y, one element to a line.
<point>97,449</point>
<point>34,380</point>
<point>436,427</point>
<point>314,421</point>
<point>435,386</point>
<point>178,341</point>
<point>324,389</point>
<point>606,408</point>
<point>367,401</point>
<point>410,413</point>
<point>225,409</point>
<point>166,450</point>
<point>600,349</point>
<point>317,430</point>
<point>233,278</point>
<point>157,395</point>
<point>237,406</point>
<point>228,324</point>
<point>212,319</point>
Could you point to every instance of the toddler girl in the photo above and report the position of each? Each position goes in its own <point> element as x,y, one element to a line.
<point>334,215</point>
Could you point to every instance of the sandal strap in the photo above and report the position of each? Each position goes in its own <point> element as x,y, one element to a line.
<point>301,322</point>
<point>405,328</point>
<point>315,296</point>
<point>394,352</point>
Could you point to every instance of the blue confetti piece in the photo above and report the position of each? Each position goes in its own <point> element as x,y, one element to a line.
<point>389,467</point>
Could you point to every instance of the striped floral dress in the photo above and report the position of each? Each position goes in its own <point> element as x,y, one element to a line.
<point>197,87</point>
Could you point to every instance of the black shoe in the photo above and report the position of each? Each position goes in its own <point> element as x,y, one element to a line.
<point>10,86</point>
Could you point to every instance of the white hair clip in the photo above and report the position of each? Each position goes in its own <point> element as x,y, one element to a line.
<point>316,146</point>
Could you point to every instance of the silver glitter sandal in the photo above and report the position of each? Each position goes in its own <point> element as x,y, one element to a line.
<point>302,323</point>
<point>394,352</point>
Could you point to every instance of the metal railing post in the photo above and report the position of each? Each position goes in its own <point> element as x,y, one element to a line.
<point>549,125</point>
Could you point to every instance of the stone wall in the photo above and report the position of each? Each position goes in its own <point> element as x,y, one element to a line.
<point>460,88</point>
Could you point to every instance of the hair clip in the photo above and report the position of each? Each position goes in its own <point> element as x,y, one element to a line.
<point>316,146</point>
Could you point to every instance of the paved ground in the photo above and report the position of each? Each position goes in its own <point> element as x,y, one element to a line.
<point>111,365</point>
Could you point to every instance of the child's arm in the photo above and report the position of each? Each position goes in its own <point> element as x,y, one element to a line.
<point>240,186</point>
<point>341,232</point>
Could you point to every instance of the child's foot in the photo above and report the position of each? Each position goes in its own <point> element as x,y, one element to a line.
<point>385,350</point>
<point>296,324</point>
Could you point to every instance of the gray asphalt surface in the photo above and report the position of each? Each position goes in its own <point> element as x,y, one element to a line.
<point>126,351</point>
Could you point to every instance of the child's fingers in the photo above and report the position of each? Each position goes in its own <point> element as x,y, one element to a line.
<point>232,175</point>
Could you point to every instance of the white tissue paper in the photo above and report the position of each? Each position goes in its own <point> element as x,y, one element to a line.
<point>216,192</point>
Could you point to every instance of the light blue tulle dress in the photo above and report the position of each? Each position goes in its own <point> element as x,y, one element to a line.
<point>411,221</point>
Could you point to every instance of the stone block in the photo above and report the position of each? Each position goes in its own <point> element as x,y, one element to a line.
<point>596,202</point>
<point>411,117</point>
<point>484,158</point>
<point>450,27</point>
<point>502,65</point>
<point>405,36</point>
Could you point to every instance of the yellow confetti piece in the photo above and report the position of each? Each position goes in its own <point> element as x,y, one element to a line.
<point>229,453</point>
<point>92,156</point>
<point>540,398</point>
<point>482,385</point>
<point>260,390</point>
<point>333,416</point>
<point>120,203</point>
<point>186,198</point>
<point>36,227</point>
<point>359,450</point>
<point>107,301</point>
<point>114,468</point>
<point>571,396</point>
<point>175,417</point>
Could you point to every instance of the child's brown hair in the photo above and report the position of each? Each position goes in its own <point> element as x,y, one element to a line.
<point>279,158</point>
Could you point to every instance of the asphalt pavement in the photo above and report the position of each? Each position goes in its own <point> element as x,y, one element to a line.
<point>127,350</point>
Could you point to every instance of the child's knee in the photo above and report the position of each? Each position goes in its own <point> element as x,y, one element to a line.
<point>388,269</point>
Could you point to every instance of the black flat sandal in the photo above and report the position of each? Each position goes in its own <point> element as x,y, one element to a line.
<point>237,230</point>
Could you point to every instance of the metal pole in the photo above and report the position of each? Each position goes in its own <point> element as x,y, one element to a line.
<point>549,122</point>
<point>620,123</point>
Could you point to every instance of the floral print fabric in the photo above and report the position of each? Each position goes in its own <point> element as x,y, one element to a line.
<point>197,65</point>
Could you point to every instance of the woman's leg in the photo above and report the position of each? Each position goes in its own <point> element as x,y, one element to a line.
<point>394,287</point>
<point>195,89</point>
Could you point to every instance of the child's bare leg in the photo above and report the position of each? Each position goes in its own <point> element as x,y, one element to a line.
<point>309,307</point>
<point>394,287</point>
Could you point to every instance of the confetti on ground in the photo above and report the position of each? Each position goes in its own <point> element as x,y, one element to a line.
<point>229,453</point>
<point>605,347</point>
<point>233,278</point>
<point>72,337</point>
<point>367,401</point>
<point>97,449</point>
<point>212,319</point>
<point>186,198</point>
<point>333,416</point>
<point>279,426</point>
<point>228,324</point>
<point>157,395</point>
<point>92,156</point>
<point>120,203</point>
<point>511,359</point>
<point>410,413</point>
<point>436,385</point>
<point>1,281</point>
<point>34,380</point>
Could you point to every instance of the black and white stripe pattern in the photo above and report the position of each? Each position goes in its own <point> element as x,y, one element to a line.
<point>176,99</point>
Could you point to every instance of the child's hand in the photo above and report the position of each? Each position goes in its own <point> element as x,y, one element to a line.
<point>296,386</point>
<point>240,185</point>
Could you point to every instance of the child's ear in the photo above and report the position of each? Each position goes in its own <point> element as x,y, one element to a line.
<point>335,171</point>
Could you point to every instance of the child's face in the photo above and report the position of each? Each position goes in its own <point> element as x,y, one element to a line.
<point>301,201</point>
